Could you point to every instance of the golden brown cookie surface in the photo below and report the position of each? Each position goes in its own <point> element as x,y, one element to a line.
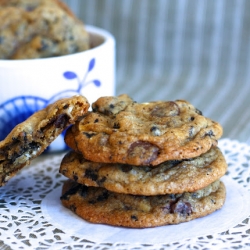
<point>167,178</point>
<point>97,205</point>
<point>120,130</point>
<point>31,137</point>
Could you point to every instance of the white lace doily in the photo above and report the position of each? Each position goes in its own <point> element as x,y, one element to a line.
<point>31,215</point>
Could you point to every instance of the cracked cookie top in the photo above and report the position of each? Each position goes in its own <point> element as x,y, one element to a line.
<point>120,130</point>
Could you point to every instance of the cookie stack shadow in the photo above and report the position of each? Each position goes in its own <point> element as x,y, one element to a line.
<point>143,165</point>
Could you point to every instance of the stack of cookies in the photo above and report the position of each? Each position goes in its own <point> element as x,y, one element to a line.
<point>143,164</point>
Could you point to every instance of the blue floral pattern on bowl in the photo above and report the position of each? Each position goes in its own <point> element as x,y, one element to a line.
<point>18,109</point>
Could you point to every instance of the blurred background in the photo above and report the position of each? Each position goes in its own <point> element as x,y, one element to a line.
<point>183,49</point>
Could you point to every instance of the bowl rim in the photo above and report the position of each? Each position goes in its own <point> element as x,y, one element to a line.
<point>107,37</point>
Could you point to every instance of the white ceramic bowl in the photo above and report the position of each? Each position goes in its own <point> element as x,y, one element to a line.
<point>29,85</point>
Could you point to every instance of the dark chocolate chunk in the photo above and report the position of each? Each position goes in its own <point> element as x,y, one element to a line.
<point>147,151</point>
<point>181,207</point>
<point>126,168</point>
<point>61,121</point>
<point>166,109</point>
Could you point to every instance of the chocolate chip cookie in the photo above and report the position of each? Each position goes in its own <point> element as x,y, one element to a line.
<point>30,138</point>
<point>39,29</point>
<point>97,205</point>
<point>167,178</point>
<point>120,130</point>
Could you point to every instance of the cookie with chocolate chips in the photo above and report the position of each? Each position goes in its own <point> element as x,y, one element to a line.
<point>39,29</point>
<point>119,130</point>
<point>30,138</point>
<point>97,205</point>
<point>166,178</point>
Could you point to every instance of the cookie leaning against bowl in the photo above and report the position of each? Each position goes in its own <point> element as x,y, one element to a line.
<point>170,177</point>
<point>120,130</point>
<point>98,205</point>
<point>31,137</point>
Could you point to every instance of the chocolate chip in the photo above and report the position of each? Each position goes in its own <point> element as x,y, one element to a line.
<point>155,131</point>
<point>96,120</point>
<point>70,192</point>
<point>83,191</point>
<point>61,121</point>
<point>89,135</point>
<point>116,125</point>
<point>209,133</point>
<point>166,109</point>
<point>146,151</point>
<point>104,196</point>
<point>91,174</point>
<point>134,217</point>
<point>181,207</point>
<point>126,168</point>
